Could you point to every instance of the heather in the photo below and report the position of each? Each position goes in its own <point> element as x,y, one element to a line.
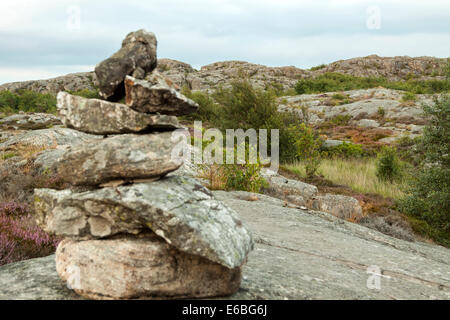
<point>20,238</point>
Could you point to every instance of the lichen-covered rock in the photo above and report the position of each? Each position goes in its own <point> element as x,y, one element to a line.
<point>138,267</point>
<point>29,121</point>
<point>176,208</point>
<point>47,138</point>
<point>102,117</point>
<point>121,157</point>
<point>136,56</point>
<point>155,95</point>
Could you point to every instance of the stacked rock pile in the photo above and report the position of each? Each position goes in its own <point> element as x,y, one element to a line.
<point>129,230</point>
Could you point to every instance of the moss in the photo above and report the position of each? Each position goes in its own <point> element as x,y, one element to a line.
<point>8,155</point>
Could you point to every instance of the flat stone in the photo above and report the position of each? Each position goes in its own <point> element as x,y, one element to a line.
<point>102,117</point>
<point>29,121</point>
<point>126,157</point>
<point>48,138</point>
<point>156,96</point>
<point>140,267</point>
<point>178,209</point>
<point>138,52</point>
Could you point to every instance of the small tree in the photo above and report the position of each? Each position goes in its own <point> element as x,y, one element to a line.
<point>388,167</point>
<point>428,193</point>
<point>307,145</point>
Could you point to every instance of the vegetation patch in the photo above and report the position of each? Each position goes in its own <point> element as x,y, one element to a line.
<point>334,81</point>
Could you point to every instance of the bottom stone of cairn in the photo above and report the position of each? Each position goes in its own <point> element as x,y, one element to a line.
<point>144,266</point>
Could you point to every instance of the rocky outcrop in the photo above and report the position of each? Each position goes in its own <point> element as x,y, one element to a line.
<point>102,117</point>
<point>29,121</point>
<point>376,108</point>
<point>129,267</point>
<point>142,237</point>
<point>70,82</point>
<point>156,96</point>
<point>299,254</point>
<point>137,56</point>
<point>392,68</point>
<point>222,73</point>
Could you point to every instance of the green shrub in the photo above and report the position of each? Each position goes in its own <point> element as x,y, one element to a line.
<point>86,93</point>
<point>446,70</point>
<point>8,155</point>
<point>346,150</point>
<point>307,145</point>
<point>406,149</point>
<point>388,166</point>
<point>381,112</point>
<point>409,96</point>
<point>341,119</point>
<point>318,67</point>
<point>245,107</point>
<point>333,81</point>
<point>428,192</point>
<point>208,110</point>
<point>245,177</point>
<point>27,101</point>
<point>338,96</point>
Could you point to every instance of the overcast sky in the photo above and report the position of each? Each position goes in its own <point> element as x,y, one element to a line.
<point>41,38</point>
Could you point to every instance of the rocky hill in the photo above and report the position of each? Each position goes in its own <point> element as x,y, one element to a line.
<point>221,73</point>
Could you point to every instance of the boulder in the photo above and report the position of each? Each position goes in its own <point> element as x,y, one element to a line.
<point>178,209</point>
<point>138,267</point>
<point>121,157</point>
<point>136,56</point>
<point>103,117</point>
<point>340,206</point>
<point>287,186</point>
<point>29,121</point>
<point>156,96</point>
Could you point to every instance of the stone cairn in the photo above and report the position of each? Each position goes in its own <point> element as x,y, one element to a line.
<point>131,230</point>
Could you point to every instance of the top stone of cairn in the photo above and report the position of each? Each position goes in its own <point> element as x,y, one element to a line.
<point>136,57</point>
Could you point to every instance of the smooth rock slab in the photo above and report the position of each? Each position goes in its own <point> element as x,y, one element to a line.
<point>122,157</point>
<point>176,208</point>
<point>157,96</point>
<point>102,117</point>
<point>140,267</point>
<point>136,56</point>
